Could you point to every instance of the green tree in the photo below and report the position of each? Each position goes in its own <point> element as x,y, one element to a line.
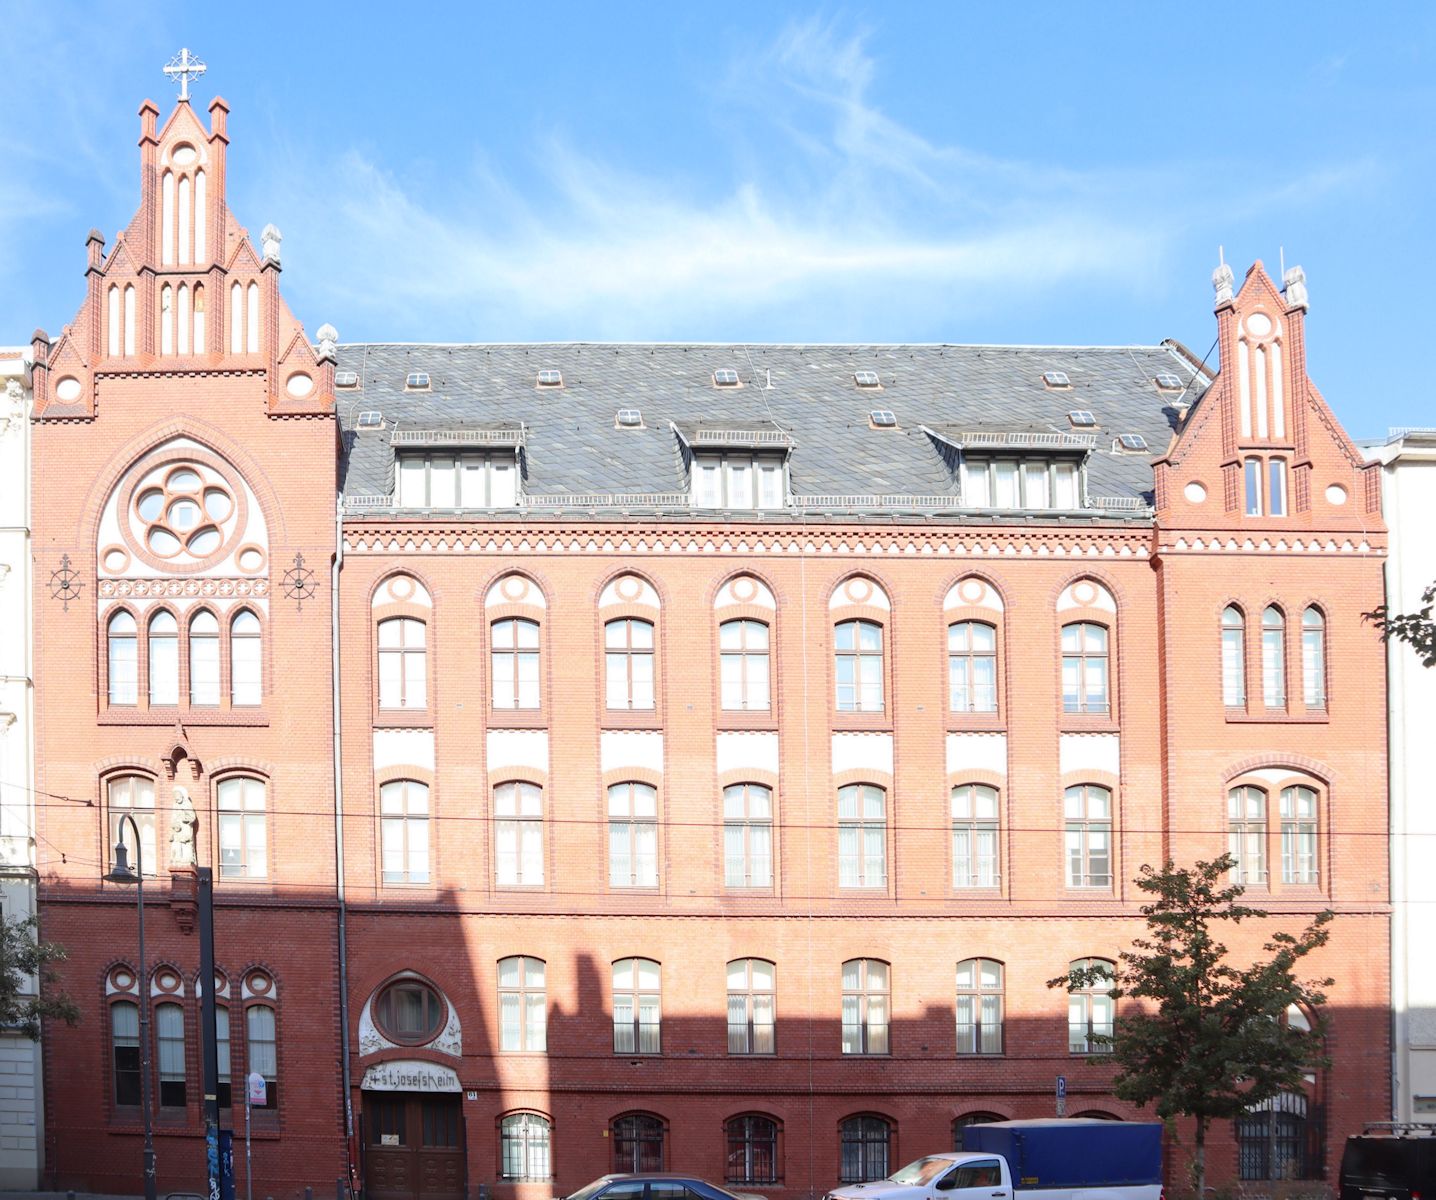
<point>1208,1039</point>
<point>23,956</point>
<point>1417,629</point>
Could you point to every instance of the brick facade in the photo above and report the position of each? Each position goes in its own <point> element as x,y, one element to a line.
<point>1168,751</point>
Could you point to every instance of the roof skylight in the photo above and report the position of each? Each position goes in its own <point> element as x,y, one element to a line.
<point>549,377</point>
<point>371,419</point>
<point>866,379</point>
<point>725,377</point>
<point>1169,382</point>
<point>883,418</point>
<point>1082,418</point>
<point>346,379</point>
<point>629,418</point>
<point>417,381</point>
<point>1132,441</point>
<point>1056,379</point>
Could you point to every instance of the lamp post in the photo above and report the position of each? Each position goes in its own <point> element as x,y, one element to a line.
<point>121,873</point>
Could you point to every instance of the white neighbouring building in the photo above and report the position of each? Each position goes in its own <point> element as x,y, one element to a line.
<point>1408,483</point>
<point>21,1101</point>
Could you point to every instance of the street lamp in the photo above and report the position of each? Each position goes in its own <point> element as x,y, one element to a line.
<point>121,873</point>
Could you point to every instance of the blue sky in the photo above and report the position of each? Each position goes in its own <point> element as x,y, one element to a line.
<point>1051,174</point>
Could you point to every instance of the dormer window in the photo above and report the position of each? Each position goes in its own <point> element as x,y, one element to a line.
<point>866,379</point>
<point>629,418</point>
<point>1132,443</point>
<point>738,480</point>
<point>882,418</point>
<point>346,379</point>
<point>1082,418</point>
<point>434,479</point>
<point>1056,379</point>
<point>1168,382</point>
<point>725,377</point>
<point>417,381</point>
<point>1016,483</point>
<point>550,378</point>
<point>371,418</point>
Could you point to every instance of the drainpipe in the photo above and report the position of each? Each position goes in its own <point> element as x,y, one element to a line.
<point>334,570</point>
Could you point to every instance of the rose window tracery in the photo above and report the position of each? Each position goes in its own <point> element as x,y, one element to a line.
<point>183,515</point>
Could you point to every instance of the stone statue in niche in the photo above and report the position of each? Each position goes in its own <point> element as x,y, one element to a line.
<point>183,825</point>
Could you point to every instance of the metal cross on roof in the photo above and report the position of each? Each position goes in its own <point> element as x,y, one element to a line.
<point>184,68</point>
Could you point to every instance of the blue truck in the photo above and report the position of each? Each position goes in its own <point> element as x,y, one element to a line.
<point>1062,1159</point>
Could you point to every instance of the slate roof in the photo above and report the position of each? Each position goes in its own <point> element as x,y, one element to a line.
<point>573,449</point>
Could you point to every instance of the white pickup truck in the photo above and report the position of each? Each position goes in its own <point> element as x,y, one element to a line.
<point>1066,1159</point>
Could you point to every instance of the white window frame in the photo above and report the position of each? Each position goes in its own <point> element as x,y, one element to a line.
<point>454,479</point>
<point>518,834</point>
<point>744,682</point>
<point>1012,481</point>
<point>243,827</point>
<point>523,1004</point>
<point>747,836</point>
<point>738,481</point>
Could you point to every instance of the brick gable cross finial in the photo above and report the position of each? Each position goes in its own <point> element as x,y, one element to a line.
<point>183,67</point>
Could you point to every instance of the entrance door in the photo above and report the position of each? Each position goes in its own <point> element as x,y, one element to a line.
<point>415,1147</point>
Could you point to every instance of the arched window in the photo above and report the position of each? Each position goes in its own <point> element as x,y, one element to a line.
<point>204,659</point>
<point>1088,832</point>
<point>632,835</point>
<point>1251,480</point>
<point>525,1147</point>
<point>129,318</point>
<point>974,836</point>
<point>243,839</point>
<point>865,1006</point>
<point>972,667</point>
<point>262,1037</point>
<point>747,835</point>
<point>1273,657</point>
<point>185,212</point>
<point>979,1006</point>
<point>628,663</point>
<point>222,1054</point>
<point>246,669</point>
<point>183,319</point>
<point>134,794</point>
<point>1246,834</point>
<point>125,1052</point>
<point>201,215</point>
<point>1091,1009</point>
<point>1298,835</point>
<point>637,1143</point>
<point>167,320</point>
<point>122,640</point>
<point>962,1122</point>
<point>167,218</point>
<point>751,984</point>
<point>1277,1140</point>
<point>518,835</point>
<point>1234,657</point>
<point>862,836</point>
<point>236,319</point>
<point>404,831</point>
<point>864,1142</point>
<point>251,322</point>
<point>169,1044</point>
<point>636,993</point>
<point>515,656</point>
<point>523,1004</point>
<point>114,327</point>
<point>1313,659</point>
<point>199,318</point>
<point>163,659</point>
<point>403,663</point>
<point>743,666</point>
<point>858,663</point>
<point>752,1150</point>
<point>1085,668</point>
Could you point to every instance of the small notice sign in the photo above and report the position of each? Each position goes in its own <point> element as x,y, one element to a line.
<point>388,1139</point>
<point>257,1089</point>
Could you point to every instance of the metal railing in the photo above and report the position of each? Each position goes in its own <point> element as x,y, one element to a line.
<point>457,437</point>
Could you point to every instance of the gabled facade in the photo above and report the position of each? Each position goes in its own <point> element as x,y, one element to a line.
<point>727,742</point>
<point>185,431</point>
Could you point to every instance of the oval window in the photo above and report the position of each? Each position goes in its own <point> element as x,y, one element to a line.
<point>410,1012</point>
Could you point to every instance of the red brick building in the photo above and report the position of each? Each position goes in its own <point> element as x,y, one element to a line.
<point>732,740</point>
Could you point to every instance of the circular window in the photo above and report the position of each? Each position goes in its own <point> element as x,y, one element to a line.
<point>410,1012</point>
<point>183,515</point>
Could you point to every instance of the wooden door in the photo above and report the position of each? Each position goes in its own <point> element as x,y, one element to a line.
<point>415,1146</point>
